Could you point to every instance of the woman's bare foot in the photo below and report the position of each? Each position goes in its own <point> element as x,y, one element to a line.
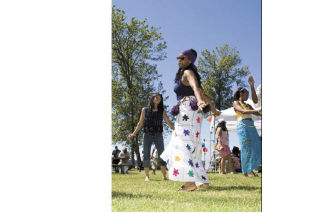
<point>205,185</point>
<point>146,179</point>
<point>188,187</point>
<point>245,175</point>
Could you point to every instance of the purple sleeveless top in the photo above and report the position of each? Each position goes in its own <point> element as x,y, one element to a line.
<point>181,90</point>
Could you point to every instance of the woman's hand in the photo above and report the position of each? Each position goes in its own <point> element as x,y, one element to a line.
<point>251,81</point>
<point>260,111</point>
<point>131,136</point>
<point>220,147</point>
<point>201,107</point>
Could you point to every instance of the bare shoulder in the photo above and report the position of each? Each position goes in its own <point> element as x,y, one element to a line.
<point>188,76</point>
<point>219,130</point>
<point>188,73</point>
<point>143,111</point>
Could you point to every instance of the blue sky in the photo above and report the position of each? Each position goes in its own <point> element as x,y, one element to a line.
<point>203,24</point>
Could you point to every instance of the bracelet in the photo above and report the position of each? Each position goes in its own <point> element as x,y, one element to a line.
<point>201,102</point>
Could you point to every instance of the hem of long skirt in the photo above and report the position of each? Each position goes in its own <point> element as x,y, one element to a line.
<point>250,171</point>
<point>190,181</point>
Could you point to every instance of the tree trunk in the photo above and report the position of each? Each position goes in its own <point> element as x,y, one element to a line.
<point>218,101</point>
<point>132,154</point>
<point>133,143</point>
<point>137,152</point>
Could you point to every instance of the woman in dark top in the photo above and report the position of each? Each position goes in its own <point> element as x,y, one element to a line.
<point>183,154</point>
<point>152,117</point>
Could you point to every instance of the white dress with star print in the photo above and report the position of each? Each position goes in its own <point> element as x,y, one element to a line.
<point>183,153</point>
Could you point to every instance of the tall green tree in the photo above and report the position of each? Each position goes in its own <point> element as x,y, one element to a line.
<point>135,45</point>
<point>221,70</point>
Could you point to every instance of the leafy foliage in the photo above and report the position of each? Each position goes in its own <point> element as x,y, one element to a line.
<point>135,45</point>
<point>221,70</point>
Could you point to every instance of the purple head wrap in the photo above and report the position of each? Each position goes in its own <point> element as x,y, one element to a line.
<point>191,56</point>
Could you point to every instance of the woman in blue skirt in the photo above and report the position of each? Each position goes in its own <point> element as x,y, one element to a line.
<point>250,141</point>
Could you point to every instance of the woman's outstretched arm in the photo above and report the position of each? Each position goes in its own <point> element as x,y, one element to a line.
<point>139,125</point>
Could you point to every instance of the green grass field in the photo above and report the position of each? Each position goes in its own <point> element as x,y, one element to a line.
<point>227,193</point>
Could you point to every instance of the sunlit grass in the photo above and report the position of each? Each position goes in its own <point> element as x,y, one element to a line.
<point>226,193</point>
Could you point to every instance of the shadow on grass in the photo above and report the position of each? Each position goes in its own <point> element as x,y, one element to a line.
<point>128,195</point>
<point>130,173</point>
<point>233,188</point>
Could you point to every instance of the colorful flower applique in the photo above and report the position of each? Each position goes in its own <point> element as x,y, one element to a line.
<point>194,104</point>
<point>190,173</point>
<point>175,110</point>
<point>197,134</point>
<point>185,118</point>
<point>184,100</point>
<point>203,177</point>
<point>177,158</point>
<point>198,119</point>
<point>175,172</point>
<point>197,165</point>
<point>186,132</point>
<point>190,162</point>
<point>188,147</point>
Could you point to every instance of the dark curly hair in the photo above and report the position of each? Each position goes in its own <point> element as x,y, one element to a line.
<point>236,95</point>
<point>160,105</point>
<point>191,67</point>
<point>222,124</point>
<point>236,151</point>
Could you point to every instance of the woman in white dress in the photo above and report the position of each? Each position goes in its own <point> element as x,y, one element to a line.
<point>183,154</point>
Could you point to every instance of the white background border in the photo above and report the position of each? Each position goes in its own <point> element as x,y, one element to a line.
<point>55,105</point>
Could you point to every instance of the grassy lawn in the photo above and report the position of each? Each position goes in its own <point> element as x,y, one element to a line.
<point>227,193</point>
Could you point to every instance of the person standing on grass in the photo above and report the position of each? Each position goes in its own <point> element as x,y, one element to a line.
<point>248,136</point>
<point>183,151</point>
<point>223,146</point>
<point>152,117</point>
<point>257,99</point>
<point>124,159</point>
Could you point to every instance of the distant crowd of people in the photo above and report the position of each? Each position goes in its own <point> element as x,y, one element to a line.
<point>120,159</point>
